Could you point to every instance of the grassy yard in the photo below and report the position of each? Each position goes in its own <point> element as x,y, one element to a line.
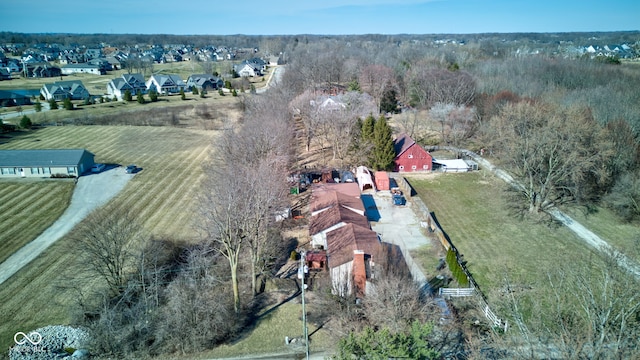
<point>161,195</point>
<point>623,236</point>
<point>27,209</point>
<point>496,245</point>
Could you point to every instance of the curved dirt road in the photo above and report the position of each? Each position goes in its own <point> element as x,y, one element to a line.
<point>91,192</point>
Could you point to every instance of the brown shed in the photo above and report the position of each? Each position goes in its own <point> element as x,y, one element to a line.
<point>381,180</point>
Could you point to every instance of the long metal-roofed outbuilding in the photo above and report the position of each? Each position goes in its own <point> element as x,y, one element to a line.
<point>45,163</point>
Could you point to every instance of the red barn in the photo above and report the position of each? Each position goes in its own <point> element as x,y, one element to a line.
<point>411,156</point>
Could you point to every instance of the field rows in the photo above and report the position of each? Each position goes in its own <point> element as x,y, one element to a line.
<point>26,210</point>
<point>161,197</point>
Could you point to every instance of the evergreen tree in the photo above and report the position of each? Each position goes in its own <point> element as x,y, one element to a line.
<point>67,104</point>
<point>53,105</point>
<point>153,95</point>
<point>37,106</point>
<point>389,101</point>
<point>234,92</point>
<point>25,122</point>
<point>194,90</point>
<point>183,96</point>
<point>140,98</point>
<point>127,96</point>
<point>383,151</point>
<point>368,127</point>
<point>354,85</point>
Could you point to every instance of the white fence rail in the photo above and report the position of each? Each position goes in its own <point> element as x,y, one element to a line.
<point>456,292</point>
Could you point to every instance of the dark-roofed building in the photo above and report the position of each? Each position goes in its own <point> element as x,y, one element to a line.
<point>133,82</point>
<point>325,200</point>
<point>204,81</point>
<point>45,163</point>
<point>410,156</point>
<point>61,90</point>
<point>165,84</point>
<point>351,252</point>
<point>350,189</point>
<point>331,219</point>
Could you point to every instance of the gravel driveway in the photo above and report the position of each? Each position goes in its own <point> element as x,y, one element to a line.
<point>91,192</point>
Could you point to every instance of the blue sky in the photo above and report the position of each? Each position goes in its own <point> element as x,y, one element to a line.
<point>269,17</point>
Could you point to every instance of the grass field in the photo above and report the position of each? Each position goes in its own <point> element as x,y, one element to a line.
<point>496,245</point>
<point>27,209</point>
<point>623,236</point>
<point>161,195</point>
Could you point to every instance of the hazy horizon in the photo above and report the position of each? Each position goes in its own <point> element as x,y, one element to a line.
<point>329,17</point>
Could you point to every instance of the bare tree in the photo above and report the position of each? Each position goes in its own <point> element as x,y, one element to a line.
<point>586,311</point>
<point>107,240</point>
<point>559,156</point>
<point>375,79</point>
<point>457,123</point>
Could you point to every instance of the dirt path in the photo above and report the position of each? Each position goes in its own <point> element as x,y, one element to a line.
<point>91,192</point>
<point>586,235</point>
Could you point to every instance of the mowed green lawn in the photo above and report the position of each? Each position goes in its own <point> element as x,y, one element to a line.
<point>623,236</point>
<point>27,209</point>
<point>497,246</point>
<point>162,196</point>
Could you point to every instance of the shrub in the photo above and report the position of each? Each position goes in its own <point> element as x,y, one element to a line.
<point>220,92</point>
<point>37,106</point>
<point>293,255</point>
<point>25,122</point>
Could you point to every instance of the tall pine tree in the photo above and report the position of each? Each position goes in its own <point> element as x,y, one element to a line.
<point>368,128</point>
<point>383,150</point>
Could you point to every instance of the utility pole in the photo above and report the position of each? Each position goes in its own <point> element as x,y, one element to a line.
<point>302,271</point>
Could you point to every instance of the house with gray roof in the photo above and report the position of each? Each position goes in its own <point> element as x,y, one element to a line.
<point>166,84</point>
<point>133,82</point>
<point>204,81</point>
<point>61,90</point>
<point>45,163</point>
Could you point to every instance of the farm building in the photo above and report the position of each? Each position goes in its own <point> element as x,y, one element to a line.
<point>454,165</point>
<point>381,179</point>
<point>410,156</point>
<point>45,163</point>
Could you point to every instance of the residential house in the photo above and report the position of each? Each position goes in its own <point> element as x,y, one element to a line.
<point>13,98</point>
<point>134,83</point>
<point>165,84</point>
<point>204,81</point>
<point>410,156</point>
<point>43,70</point>
<point>5,74</point>
<point>61,90</point>
<point>45,163</point>
<point>247,70</point>
<point>352,252</point>
<point>330,219</point>
<point>84,68</point>
<point>13,66</point>
<point>325,200</point>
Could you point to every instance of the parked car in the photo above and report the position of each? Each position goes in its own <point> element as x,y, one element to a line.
<point>96,168</point>
<point>130,169</point>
